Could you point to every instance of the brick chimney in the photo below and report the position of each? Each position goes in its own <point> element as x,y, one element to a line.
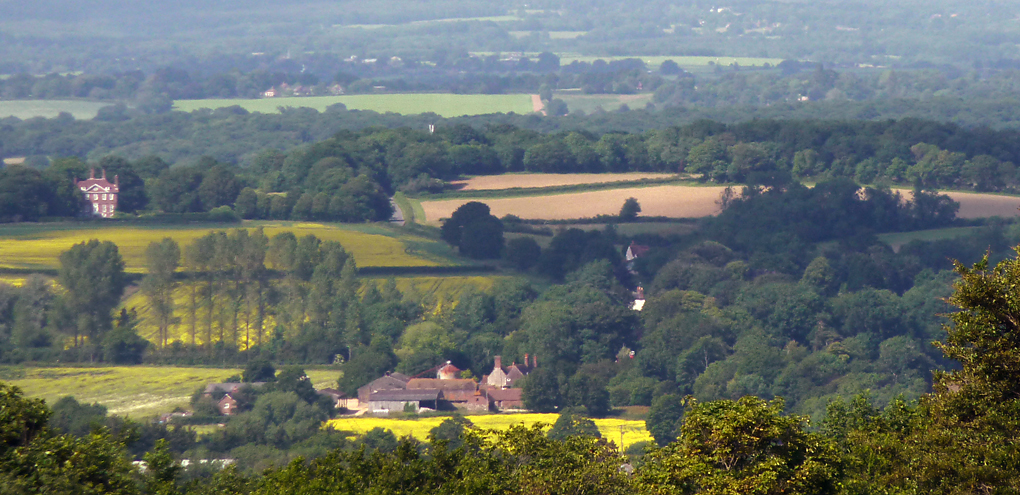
<point>526,362</point>
<point>535,357</point>
<point>92,173</point>
<point>499,363</point>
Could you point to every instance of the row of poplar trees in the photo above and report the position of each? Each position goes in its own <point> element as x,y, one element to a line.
<point>237,283</point>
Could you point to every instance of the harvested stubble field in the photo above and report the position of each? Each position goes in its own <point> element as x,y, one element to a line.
<point>135,391</point>
<point>38,246</point>
<point>509,181</point>
<point>419,428</point>
<point>979,205</point>
<point>443,104</point>
<point>665,201</point>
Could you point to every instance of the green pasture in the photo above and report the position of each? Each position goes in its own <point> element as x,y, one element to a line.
<point>553,35</point>
<point>898,239</point>
<point>135,391</point>
<point>38,246</point>
<point>27,109</point>
<point>575,101</point>
<point>682,61</point>
<point>495,18</point>
<point>444,104</point>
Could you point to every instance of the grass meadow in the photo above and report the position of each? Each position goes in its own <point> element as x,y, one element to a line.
<point>444,104</point>
<point>419,428</point>
<point>38,246</point>
<point>575,101</point>
<point>898,239</point>
<point>27,109</point>
<point>135,391</point>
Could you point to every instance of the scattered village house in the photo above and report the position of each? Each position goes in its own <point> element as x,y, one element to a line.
<point>100,193</point>
<point>392,381</point>
<point>226,404</point>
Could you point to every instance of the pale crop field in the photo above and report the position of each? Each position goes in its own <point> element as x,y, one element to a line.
<point>978,205</point>
<point>419,428</point>
<point>27,109</point>
<point>443,104</point>
<point>135,391</point>
<point>39,246</point>
<point>508,181</point>
<point>667,201</point>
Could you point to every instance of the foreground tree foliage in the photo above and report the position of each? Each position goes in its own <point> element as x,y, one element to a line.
<point>746,446</point>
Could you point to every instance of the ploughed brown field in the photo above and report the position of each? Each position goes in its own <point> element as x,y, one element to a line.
<point>667,201</point>
<point>495,182</point>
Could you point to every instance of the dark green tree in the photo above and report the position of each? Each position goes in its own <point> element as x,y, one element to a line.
<point>473,230</point>
<point>542,391</point>
<point>630,209</point>
<point>664,417</point>
<point>92,273</point>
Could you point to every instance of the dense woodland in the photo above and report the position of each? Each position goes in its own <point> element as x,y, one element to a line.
<point>349,176</point>
<point>955,439</point>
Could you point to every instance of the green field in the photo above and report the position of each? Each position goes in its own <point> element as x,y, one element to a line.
<point>575,101</point>
<point>38,246</point>
<point>553,35</point>
<point>657,60</point>
<point>136,391</point>
<point>444,104</point>
<point>27,109</point>
<point>495,18</point>
<point>898,239</point>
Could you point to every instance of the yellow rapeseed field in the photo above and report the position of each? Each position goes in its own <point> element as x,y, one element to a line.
<point>39,246</point>
<point>633,431</point>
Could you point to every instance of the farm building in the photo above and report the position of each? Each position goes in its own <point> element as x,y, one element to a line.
<point>228,388</point>
<point>635,251</point>
<point>340,399</point>
<point>100,193</point>
<point>505,378</point>
<point>448,372</point>
<point>454,393</point>
<point>392,381</point>
<point>386,401</point>
<point>227,405</point>
<point>503,399</point>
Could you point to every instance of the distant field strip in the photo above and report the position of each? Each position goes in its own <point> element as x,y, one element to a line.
<point>495,18</point>
<point>591,103</point>
<point>136,391</point>
<point>665,201</point>
<point>657,60</point>
<point>896,240</point>
<point>444,104</point>
<point>633,431</point>
<point>27,109</point>
<point>38,246</point>
<point>507,181</point>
